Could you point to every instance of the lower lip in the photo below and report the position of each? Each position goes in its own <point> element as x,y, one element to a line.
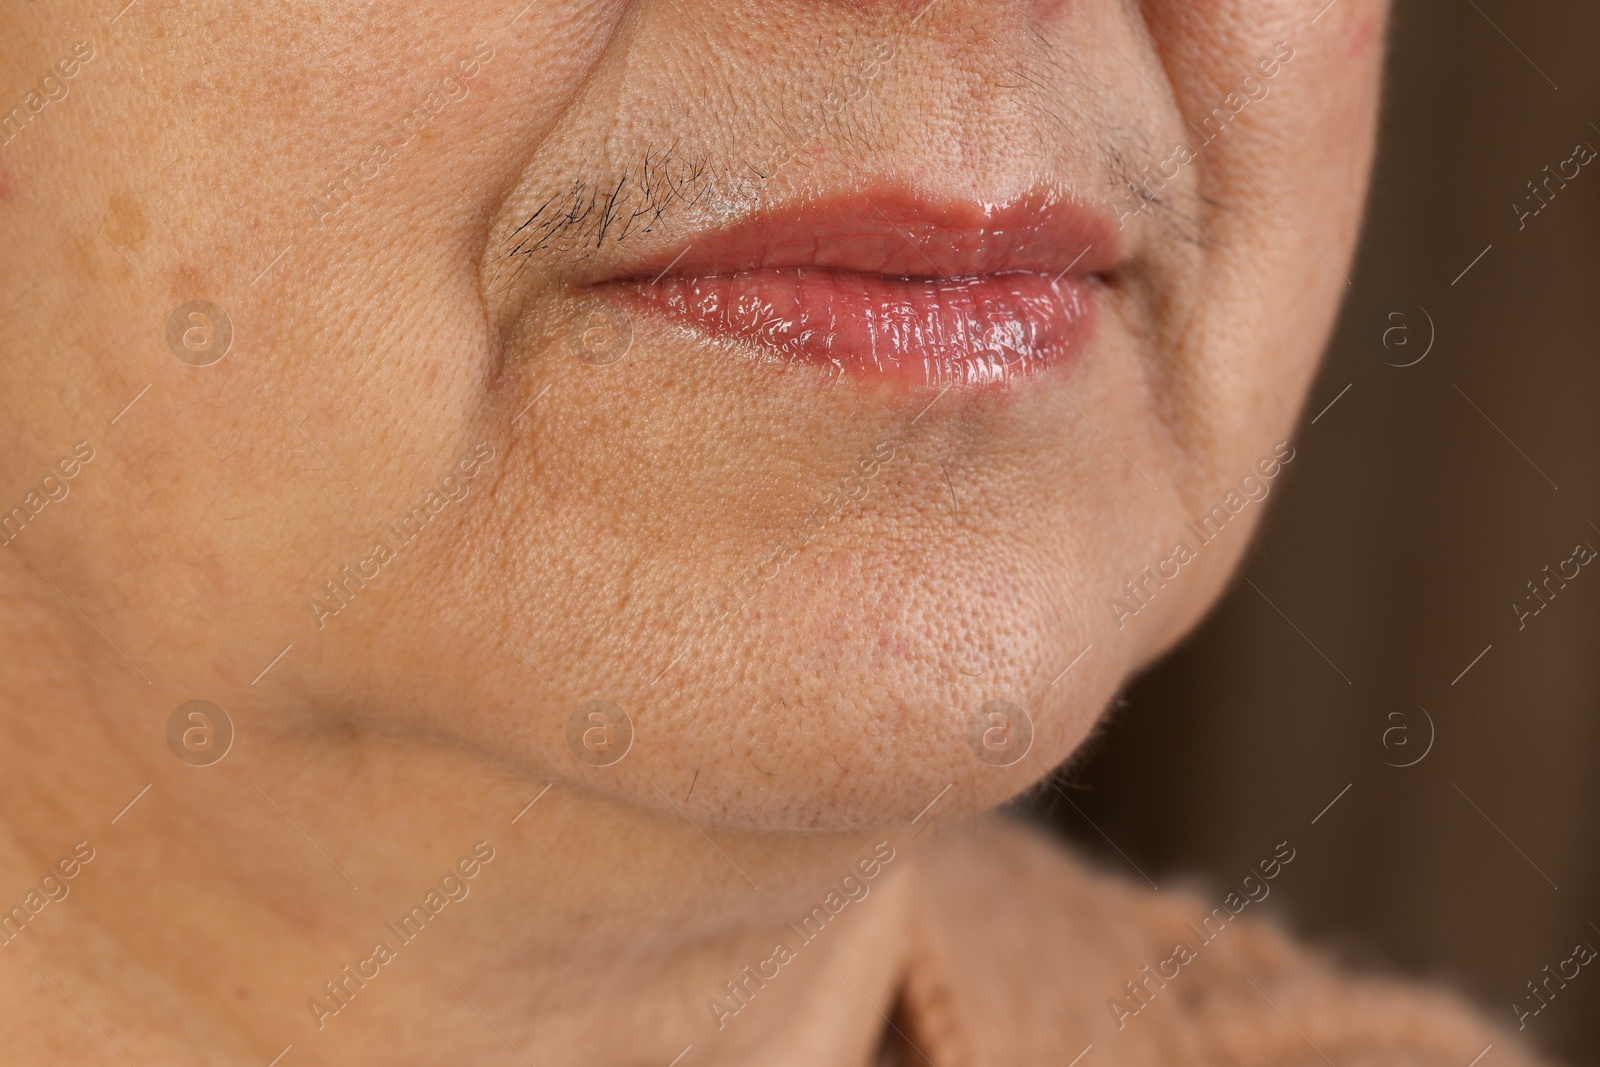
<point>914,333</point>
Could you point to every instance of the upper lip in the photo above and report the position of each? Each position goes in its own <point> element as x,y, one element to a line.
<point>895,234</point>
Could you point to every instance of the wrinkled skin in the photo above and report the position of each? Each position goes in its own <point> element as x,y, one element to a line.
<point>384,335</point>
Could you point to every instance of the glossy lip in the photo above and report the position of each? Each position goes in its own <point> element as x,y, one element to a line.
<point>892,287</point>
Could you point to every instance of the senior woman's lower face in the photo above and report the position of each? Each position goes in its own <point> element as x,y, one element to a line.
<point>754,419</point>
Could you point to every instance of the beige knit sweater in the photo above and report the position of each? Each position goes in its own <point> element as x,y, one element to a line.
<point>1022,956</point>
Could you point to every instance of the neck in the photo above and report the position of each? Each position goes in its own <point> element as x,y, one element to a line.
<point>387,898</point>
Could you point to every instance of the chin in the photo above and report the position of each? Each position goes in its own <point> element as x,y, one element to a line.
<point>849,704</point>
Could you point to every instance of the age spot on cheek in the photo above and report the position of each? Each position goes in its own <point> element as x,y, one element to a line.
<point>125,224</point>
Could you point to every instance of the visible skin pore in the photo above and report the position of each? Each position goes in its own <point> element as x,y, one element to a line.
<point>379,339</point>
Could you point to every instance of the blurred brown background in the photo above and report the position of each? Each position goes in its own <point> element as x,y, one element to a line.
<point>1408,528</point>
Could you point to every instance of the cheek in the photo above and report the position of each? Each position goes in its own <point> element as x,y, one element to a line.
<point>1284,189</point>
